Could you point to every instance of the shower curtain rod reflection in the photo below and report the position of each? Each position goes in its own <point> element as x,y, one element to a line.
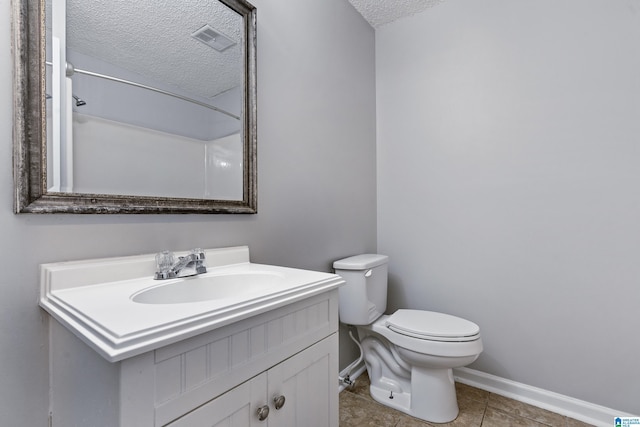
<point>72,70</point>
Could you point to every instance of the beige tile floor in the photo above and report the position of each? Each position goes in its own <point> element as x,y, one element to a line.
<point>477,408</point>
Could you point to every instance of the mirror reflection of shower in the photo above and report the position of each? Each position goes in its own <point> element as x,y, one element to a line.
<point>112,103</point>
<point>79,102</point>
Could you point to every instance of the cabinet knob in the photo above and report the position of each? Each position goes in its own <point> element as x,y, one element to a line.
<point>279,401</point>
<point>263,412</point>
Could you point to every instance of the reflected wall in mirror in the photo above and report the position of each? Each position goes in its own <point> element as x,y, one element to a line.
<point>135,107</point>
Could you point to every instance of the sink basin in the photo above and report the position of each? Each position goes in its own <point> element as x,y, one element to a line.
<point>211,287</point>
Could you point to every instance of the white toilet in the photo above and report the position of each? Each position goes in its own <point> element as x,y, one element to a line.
<point>409,354</point>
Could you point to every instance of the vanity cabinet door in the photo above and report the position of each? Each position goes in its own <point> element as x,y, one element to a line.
<point>236,408</point>
<point>300,391</point>
<point>308,383</point>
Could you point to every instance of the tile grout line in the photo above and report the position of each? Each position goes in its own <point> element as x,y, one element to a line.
<point>484,411</point>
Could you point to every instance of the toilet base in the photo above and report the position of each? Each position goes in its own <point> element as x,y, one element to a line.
<point>432,397</point>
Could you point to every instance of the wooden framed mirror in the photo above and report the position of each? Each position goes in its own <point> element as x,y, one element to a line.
<point>128,107</point>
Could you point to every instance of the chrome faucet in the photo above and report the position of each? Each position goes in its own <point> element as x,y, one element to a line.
<point>188,265</point>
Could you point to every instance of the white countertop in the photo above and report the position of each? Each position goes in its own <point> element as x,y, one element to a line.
<point>104,315</point>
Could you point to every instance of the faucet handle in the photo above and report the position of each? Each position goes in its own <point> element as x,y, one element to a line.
<point>199,256</point>
<point>165,261</point>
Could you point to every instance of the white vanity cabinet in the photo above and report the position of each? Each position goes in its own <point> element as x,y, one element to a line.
<point>222,377</point>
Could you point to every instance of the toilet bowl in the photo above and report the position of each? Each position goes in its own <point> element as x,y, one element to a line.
<point>410,354</point>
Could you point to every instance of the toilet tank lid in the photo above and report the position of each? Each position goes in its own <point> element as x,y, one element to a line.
<point>360,262</point>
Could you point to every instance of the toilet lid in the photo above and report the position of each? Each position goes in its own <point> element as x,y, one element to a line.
<point>433,326</point>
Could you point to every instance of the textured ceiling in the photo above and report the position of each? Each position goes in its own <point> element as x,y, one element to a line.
<point>153,37</point>
<point>380,12</point>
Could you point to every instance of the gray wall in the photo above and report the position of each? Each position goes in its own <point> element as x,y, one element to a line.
<point>316,166</point>
<point>508,171</point>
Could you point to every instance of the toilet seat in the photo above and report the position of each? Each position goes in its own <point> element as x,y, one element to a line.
<point>432,326</point>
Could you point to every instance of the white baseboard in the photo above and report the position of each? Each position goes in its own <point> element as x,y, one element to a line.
<point>578,409</point>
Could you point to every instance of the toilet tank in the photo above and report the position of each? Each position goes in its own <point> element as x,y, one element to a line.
<point>364,296</point>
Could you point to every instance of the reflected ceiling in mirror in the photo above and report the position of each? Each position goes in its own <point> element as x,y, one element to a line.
<point>148,108</point>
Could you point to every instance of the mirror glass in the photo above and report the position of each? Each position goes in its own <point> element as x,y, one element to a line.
<point>144,106</point>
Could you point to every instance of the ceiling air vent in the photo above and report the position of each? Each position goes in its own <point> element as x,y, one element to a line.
<point>213,38</point>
